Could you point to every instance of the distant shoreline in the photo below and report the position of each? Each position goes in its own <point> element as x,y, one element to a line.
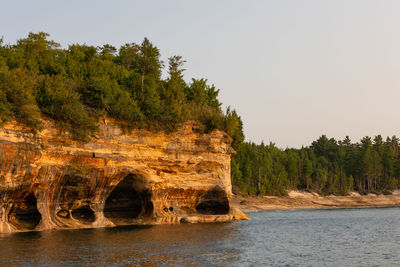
<point>305,200</point>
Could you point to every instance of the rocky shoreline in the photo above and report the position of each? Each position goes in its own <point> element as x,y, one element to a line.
<point>305,200</point>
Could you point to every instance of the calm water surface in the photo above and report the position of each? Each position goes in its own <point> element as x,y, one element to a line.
<point>345,237</point>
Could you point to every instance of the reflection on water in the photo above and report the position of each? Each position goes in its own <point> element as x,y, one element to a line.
<point>348,237</point>
<point>153,245</point>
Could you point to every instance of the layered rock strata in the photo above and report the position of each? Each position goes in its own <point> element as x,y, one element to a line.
<point>49,181</point>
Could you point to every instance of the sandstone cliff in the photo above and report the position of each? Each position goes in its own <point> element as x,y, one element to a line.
<point>48,181</point>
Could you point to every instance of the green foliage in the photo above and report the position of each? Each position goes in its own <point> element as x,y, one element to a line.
<point>57,99</point>
<point>17,89</point>
<point>125,108</point>
<point>233,125</point>
<point>327,167</point>
<point>5,106</point>
<point>76,85</point>
<point>38,54</point>
<point>205,95</point>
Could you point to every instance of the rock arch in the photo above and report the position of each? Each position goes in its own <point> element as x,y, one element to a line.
<point>128,201</point>
<point>83,214</point>
<point>24,215</point>
<point>213,202</point>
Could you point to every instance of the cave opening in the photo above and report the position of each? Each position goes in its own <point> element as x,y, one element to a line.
<point>128,200</point>
<point>25,214</point>
<point>213,202</point>
<point>84,214</point>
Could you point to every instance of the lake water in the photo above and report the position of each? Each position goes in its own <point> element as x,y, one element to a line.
<point>344,237</point>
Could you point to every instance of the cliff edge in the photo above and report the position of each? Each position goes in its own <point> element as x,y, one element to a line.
<point>49,181</point>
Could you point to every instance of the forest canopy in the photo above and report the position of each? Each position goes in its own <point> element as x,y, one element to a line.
<point>327,167</point>
<point>77,85</point>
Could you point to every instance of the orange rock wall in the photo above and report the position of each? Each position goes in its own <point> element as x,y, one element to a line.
<point>48,181</point>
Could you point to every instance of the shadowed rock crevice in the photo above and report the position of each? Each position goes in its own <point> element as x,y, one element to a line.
<point>214,202</point>
<point>25,215</point>
<point>84,214</point>
<point>128,201</point>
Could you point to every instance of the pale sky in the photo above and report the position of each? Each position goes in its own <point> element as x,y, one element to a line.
<point>293,70</point>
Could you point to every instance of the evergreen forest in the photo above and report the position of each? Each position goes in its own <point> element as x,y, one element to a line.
<point>327,167</point>
<point>77,85</point>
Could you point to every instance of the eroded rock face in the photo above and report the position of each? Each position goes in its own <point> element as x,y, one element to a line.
<point>48,181</point>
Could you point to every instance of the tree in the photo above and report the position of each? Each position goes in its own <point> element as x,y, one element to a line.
<point>200,92</point>
<point>148,62</point>
<point>38,54</point>
<point>173,92</point>
<point>307,171</point>
<point>17,88</point>
<point>57,99</point>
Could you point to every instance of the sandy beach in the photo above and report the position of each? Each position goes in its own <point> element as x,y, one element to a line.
<point>306,200</point>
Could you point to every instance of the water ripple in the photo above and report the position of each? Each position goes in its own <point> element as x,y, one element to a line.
<point>345,237</point>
